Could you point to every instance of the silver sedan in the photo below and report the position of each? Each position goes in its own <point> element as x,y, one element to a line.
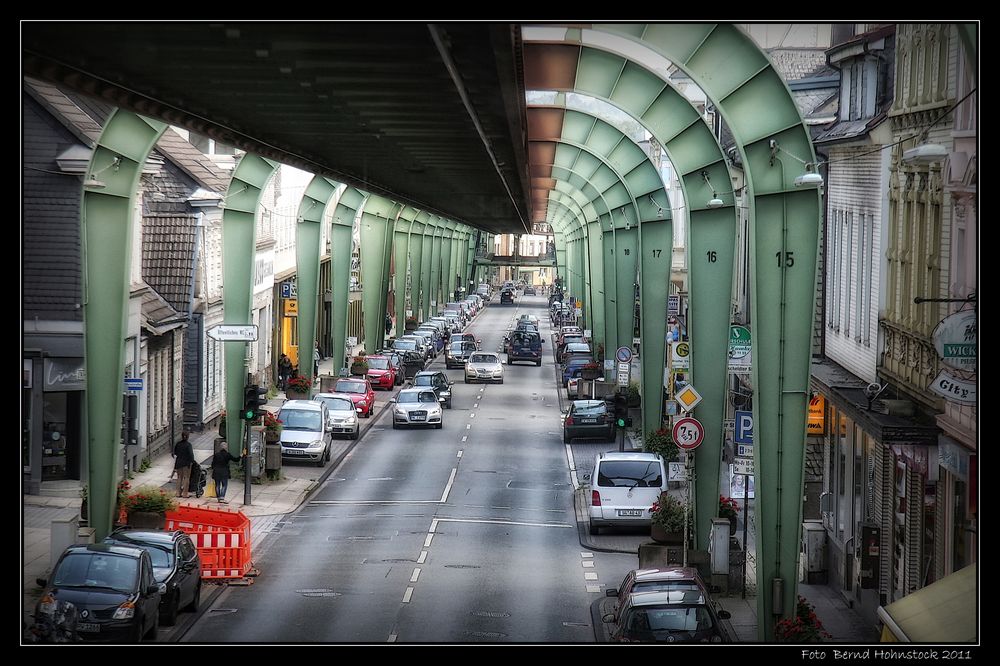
<point>483,367</point>
<point>416,406</point>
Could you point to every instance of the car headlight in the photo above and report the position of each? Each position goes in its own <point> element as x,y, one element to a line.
<point>361,403</point>
<point>401,412</point>
<point>445,394</point>
<point>124,612</point>
<point>315,443</point>
<point>350,420</point>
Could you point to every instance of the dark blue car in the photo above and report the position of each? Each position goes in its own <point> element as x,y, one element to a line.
<point>572,369</point>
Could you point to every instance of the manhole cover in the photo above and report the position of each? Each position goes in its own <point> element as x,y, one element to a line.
<point>490,614</point>
<point>462,566</point>
<point>488,635</point>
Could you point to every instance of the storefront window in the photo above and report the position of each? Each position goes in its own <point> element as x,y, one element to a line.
<point>960,557</point>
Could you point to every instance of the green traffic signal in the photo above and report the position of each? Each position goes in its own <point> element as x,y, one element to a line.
<point>621,423</point>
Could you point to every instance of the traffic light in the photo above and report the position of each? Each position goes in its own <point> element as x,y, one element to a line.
<point>254,399</point>
<point>622,419</point>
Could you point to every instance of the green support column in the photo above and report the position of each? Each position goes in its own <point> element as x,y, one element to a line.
<point>307,255</point>
<point>711,247</point>
<point>447,267</point>
<point>626,261</point>
<point>427,261</point>
<point>656,241</point>
<point>378,217</point>
<point>401,258</point>
<point>596,286</point>
<point>470,259</point>
<point>107,227</point>
<point>239,243</point>
<point>435,275</point>
<point>341,244</point>
<point>417,239</point>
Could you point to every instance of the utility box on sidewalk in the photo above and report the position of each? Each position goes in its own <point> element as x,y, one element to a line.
<point>64,534</point>
<point>813,557</point>
<point>327,383</point>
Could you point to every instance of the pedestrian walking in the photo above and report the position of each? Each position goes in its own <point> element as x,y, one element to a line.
<point>220,470</point>
<point>316,359</point>
<point>284,371</point>
<point>183,459</point>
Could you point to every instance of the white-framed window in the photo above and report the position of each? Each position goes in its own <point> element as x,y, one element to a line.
<point>848,234</point>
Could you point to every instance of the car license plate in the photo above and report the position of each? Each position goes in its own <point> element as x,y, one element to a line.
<point>588,420</point>
<point>630,512</point>
<point>418,417</point>
<point>88,626</point>
<point>294,452</point>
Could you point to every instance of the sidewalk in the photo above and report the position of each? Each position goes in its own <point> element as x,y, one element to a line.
<point>270,500</point>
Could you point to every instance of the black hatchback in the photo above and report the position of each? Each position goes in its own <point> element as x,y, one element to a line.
<point>117,599</point>
<point>175,564</point>
<point>436,381</point>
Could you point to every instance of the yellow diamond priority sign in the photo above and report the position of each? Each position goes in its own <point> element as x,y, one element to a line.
<point>688,398</point>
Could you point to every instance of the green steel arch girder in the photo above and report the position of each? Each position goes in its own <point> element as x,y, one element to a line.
<point>107,228</point>
<point>605,143</point>
<point>349,203</point>
<point>606,69</point>
<point>773,142</point>
<point>239,242</point>
<point>401,252</point>
<point>319,192</point>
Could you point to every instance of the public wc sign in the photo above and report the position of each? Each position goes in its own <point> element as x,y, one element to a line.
<point>955,340</point>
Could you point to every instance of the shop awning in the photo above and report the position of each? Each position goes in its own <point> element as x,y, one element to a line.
<point>943,612</point>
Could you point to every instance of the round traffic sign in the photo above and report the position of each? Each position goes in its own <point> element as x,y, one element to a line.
<point>624,354</point>
<point>688,433</point>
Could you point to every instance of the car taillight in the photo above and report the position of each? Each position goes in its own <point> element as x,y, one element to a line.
<point>595,498</point>
<point>569,420</point>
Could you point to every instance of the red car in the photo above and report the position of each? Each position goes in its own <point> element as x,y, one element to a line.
<point>361,394</point>
<point>381,373</point>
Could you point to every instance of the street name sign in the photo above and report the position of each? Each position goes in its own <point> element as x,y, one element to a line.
<point>234,332</point>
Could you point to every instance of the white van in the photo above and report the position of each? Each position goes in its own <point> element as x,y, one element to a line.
<point>305,431</point>
<point>624,487</point>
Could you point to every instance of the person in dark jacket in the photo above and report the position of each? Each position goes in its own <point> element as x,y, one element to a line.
<point>220,470</point>
<point>284,371</point>
<point>183,459</point>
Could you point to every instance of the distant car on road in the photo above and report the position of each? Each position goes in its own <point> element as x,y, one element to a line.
<point>529,290</point>
<point>506,297</point>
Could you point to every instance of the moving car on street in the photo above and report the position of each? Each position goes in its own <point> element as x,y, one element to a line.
<point>416,406</point>
<point>484,367</point>
<point>457,353</point>
<point>436,381</point>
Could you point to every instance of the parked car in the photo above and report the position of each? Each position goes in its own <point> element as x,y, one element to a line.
<point>428,338</point>
<point>438,382</point>
<point>657,580</point>
<point>572,369</point>
<point>529,290</point>
<point>305,434</point>
<point>484,367</point>
<point>672,616</point>
<point>116,596</point>
<point>416,406</point>
<point>341,414</point>
<point>624,488</point>
<point>396,363</point>
<point>457,353</point>
<point>436,336</point>
<point>381,372</point>
<point>573,385</point>
<point>575,350</point>
<point>361,393</point>
<point>176,565</point>
<point>413,358</point>
<point>422,346</point>
<point>588,418</point>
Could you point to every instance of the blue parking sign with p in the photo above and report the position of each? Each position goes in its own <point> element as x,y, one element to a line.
<point>744,428</point>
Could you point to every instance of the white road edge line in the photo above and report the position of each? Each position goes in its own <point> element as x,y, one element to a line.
<point>407,595</point>
<point>572,467</point>
<point>447,489</point>
<point>501,522</point>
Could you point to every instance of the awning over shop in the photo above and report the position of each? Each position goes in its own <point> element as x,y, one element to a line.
<point>943,612</point>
